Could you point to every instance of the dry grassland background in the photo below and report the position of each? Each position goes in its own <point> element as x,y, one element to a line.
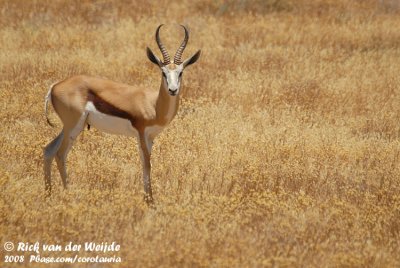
<point>285,151</point>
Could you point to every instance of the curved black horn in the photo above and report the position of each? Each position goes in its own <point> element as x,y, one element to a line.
<point>164,51</point>
<point>178,54</point>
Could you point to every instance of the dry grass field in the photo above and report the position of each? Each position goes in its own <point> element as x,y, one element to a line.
<point>285,151</point>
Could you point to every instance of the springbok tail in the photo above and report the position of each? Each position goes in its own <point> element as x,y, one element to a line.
<point>46,102</point>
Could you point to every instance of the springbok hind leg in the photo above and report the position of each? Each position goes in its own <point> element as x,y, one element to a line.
<point>67,142</point>
<point>49,153</point>
<point>61,157</point>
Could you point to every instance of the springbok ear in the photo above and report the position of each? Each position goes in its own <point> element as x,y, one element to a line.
<point>153,58</point>
<point>192,59</point>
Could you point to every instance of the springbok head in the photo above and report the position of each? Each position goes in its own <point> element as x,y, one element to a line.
<point>172,72</point>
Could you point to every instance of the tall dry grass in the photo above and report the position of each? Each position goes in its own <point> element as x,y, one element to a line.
<point>285,151</point>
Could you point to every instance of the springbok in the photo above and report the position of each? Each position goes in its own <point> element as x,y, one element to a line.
<point>116,108</point>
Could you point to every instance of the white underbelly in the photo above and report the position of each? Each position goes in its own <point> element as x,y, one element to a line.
<point>108,123</point>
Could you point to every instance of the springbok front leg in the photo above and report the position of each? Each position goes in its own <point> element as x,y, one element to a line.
<point>145,145</point>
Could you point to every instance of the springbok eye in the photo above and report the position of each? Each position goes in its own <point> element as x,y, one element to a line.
<point>180,75</point>
<point>165,76</point>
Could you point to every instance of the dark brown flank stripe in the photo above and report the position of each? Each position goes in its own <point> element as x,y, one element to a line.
<point>107,108</point>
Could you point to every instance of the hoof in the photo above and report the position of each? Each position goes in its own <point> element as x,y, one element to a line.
<point>149,200</point>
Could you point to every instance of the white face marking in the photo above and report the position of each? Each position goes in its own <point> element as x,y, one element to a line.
<point>172,78</point>
<point>108,123</point>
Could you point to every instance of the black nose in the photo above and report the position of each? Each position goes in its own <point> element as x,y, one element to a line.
<point>172,92</point>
